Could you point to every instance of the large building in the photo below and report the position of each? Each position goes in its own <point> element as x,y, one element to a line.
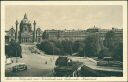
<point>66,34</point>
<point>81,34</point>
<point>24,32</point>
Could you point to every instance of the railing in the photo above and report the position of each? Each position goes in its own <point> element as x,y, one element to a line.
<point>76,73</point>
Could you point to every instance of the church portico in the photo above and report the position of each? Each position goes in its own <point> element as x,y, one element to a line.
<point>26,40</point>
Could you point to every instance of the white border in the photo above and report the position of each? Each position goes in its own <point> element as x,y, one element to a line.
<point>123,3</point>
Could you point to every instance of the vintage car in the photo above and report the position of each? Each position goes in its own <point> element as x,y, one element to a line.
<point>108,61</point>
<point>19,67</point>
<point>104,62</point>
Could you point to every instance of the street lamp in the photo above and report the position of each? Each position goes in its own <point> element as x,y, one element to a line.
<point>53,49</point>
<point>70,49</point>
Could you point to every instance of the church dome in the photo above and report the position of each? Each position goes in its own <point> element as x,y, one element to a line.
<point>25,24</point>
<point>25,20</point>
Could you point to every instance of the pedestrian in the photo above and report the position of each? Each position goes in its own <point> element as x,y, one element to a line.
<point>46,62</point>
<point>51,59</point>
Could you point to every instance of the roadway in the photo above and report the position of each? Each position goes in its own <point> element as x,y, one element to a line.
<point>36,64</point>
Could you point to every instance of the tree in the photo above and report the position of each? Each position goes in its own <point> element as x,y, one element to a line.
<point>81,50</point>
<point>45,35</point>
<point>47,46</point>
<point>92,45</point>
<point>67,46</point>
<point>110,40</point>
<point>118,51</point>
<point>104,53</point>
<point>58,34</point>
<point>114,45</point>
<point>50,47</point>
<point>13,49</point>
<point>76,46</point>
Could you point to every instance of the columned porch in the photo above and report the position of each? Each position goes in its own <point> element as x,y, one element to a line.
<point>26,40</point>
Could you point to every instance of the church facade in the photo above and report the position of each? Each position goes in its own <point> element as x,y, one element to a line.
<point>24,32</point>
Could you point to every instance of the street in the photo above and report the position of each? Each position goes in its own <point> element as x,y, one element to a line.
<point>36,64</point>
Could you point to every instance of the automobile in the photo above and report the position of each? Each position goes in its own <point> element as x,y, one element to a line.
<point>116,63</point>
<point>104,62</point>
<point>19,67</point>
<point>108,61</point>
<point>107,58</point>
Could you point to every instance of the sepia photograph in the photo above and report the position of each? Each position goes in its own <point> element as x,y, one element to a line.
<point>64,41</point>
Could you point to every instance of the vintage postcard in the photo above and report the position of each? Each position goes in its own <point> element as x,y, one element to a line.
<point>63,41</point>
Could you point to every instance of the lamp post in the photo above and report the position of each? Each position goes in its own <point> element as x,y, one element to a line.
<point>34,35</point>
<point>70,49</point>
<point>53,50</point>
<point>17,56</point>
<point>84,51</point>
<point>16,35</point>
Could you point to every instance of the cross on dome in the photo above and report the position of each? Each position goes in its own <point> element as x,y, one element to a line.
<point>25,16</point>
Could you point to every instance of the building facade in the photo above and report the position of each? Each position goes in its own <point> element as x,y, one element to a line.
<point>75,35</point>
<point>9,35</point>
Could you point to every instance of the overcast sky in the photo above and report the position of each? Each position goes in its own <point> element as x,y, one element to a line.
<point>66,16</point>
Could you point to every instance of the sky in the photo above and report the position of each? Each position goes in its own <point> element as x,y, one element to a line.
<point>66,16</point>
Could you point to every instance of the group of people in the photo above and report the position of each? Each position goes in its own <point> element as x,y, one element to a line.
<point>50,60</point>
